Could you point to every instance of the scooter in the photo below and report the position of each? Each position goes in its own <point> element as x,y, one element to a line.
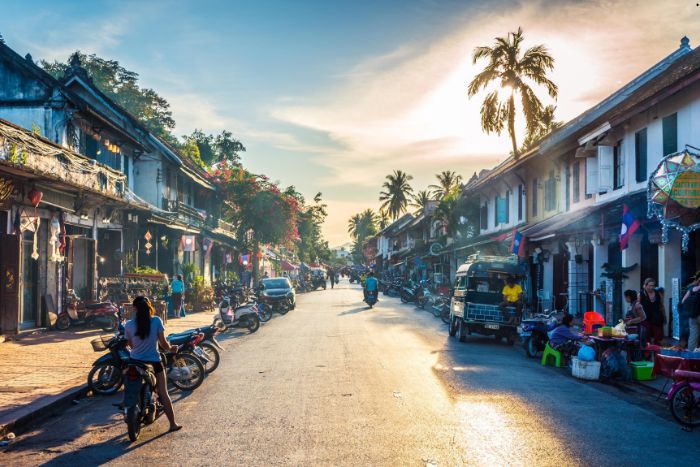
<point>409,294</point>
<point>371,298</point>
<point>77,312</point>
<point>534,332</point>
<point>230,317</point>
<point>684,398</point>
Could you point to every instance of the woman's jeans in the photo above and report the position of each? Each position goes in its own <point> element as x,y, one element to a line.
<point>694,333</point>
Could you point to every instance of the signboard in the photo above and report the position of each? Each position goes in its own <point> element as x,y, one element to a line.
<point>609,288</point>
<point>675,300</point>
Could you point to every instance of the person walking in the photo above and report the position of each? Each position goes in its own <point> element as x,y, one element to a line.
<point>331,277</point>
<point>691,309</point>
<point>177,289</point>
<point>653,304</point>
<point>143,334</point>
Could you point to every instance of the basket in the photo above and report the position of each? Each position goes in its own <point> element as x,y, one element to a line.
<point>99,344</point>
<point>642,371</point>
<point>585,370</point>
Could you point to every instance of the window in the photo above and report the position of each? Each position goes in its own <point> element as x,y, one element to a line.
<point>618,166</point>
<point>670,132</point>
<point>550,196</point>
<point>640,154</point>
<point>126,166</point>
<point>521,200</point>
<point>534,197</point>
<point>502,209</point>
<point>576,182</point>
<point>567,187</point>
<point>484,216</point>
<point>495,214</point>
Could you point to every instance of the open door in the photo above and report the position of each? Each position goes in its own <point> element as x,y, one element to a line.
<point>9,283</point>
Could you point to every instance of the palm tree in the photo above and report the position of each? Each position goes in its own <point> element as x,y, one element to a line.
<point>447,181</point>
<point>383,219</point>
<point>421,199</point>
<point>396,193</point>
<point>354,225</point>
<point>363,225</point>
<point>511,72</point>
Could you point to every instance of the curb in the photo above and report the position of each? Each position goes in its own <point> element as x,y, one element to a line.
<point>36,412</point>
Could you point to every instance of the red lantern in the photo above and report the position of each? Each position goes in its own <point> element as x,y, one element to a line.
<point>35,197</point>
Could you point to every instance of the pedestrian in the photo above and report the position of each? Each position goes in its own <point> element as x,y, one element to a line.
<point>653,304</point>
<point>178,289</point>
<point>143,334</point>
<point>331,276</point>
<point>636,315</point>
<point>691,309</point>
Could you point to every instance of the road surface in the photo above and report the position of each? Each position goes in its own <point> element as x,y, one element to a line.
<point>333,383</point>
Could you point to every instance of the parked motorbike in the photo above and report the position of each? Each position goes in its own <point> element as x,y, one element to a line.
<point>441,308</point>
<point>684,398</point>
<point>409,294</point>
<point>534,332</point>
<point>105,377</point>
<point>423,295</point>
<point>184,370</point>
<point>371,298</point>
<point>244,317</point>
<point>392,288</point>
<point>192,342</point>
<point>77,312</point>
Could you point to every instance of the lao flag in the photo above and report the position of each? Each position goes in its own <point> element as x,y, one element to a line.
<point>244,259</point>
<point>517,246</point>
<point>629,226</point>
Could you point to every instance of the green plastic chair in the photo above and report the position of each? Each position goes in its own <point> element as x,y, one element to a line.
<point>549,354</point>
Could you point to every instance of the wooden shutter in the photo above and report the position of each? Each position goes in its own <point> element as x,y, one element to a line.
<point>605,168</point>
<point>9,283</point>
<point>670,134</point>
<point>591,175</point>
<point>640,154</point>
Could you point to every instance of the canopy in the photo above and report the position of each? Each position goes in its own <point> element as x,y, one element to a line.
<point>287,266</point>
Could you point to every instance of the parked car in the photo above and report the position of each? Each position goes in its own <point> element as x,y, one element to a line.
<point>278,294</point>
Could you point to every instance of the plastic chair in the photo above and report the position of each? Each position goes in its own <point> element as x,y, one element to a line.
<point>592,321</point>
<point>549,354</point>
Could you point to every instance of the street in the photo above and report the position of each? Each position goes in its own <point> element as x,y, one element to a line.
<point>334,383</point>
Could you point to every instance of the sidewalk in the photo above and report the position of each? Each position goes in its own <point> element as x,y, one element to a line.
<point>42,368</point>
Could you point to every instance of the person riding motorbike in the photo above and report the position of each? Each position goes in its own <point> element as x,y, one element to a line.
<point>371,284</point>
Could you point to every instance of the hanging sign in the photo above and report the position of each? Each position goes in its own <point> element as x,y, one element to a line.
<point>675,300</point>
<point>148,244</point>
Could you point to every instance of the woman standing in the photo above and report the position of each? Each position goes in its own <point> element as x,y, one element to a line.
<point>691,309</point>
<point>144,333</point>
<point>177,288</point>
<point>653,304</point>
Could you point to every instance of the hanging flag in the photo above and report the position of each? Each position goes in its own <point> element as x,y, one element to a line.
<point>188,243</point>
<point>629,226</point>
<point>517,246</point>
<point>244,259</point>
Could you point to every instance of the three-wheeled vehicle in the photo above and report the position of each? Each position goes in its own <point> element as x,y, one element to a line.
<point>318,278</point>
<point>478,294</point>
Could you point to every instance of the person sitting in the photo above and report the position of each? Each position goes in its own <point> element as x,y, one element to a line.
<point>635,316</point>
<point>371,284</point>
<point>512,297</point>
<point>563,339</point>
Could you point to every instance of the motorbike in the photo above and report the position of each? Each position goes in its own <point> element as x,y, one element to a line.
<point>534,332</point>
<point>77,312</point>
<point>441,308</point>
<point>684,398</point>
<point>371,298</point>
<point>392,288</point>
<point>423,295</point>
<point>409,294</point>
<point>105,377</point>
<point>141,405</point>
<point>231,317</point>
<point>192,342</point>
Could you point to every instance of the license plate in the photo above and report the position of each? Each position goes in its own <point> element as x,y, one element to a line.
<point>520,329</point>
<point>492,326</point>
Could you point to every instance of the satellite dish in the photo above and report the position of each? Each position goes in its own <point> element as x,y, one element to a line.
<point>435,249</point>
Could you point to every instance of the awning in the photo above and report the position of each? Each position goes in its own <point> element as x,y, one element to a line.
<point>287,266</point>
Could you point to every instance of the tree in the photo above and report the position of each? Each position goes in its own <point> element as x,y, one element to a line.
<point>396,193</point>
<point>121,85</point>
<point>421,199</point>
<point>228,147</point>
<point>447,181</point>
<point>511,72</point>
<point>458,214</point>
<point>545,126</point>
<point>213,149</point>
<point>383,219</point>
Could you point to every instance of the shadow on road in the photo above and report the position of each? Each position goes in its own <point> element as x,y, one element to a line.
<point>354,310</point>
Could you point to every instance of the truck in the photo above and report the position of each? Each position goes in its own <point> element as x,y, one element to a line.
<point>474,306</point>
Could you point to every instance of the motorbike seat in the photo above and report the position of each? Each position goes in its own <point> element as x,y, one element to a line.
<point>93,306</point>
<point>182,338</point>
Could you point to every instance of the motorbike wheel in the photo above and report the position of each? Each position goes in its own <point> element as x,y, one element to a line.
<point>685,407</point>
<point>283,310</point>
<point>253,323</point>
<point>196,368</point>
<point>462,331</point>
<point>63,322</point>
<point>265,313</point>
<point>111,325</point>
<point>133,422</point>
<point>105,379</point>
<point>213,356</point>
<point>454,325</point>
<point>404,299</point>
<point>532,346</point>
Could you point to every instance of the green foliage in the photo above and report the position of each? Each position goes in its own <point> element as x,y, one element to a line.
<point>511,72</point>
<point>459,214</point>
<point>361,227</point>
<point>145,270</point>
<point>421,199</point>
<point>189,271</point>
<point>448,181</point>
<point>36,129</point>
<point>213,149</point>
<point>396,193</point>
<point>122,86</point>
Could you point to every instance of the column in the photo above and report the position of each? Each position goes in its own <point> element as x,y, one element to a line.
<point>578,278</point>
<point>630,256</point>
<point>600,257</point>
<point>669,268</point>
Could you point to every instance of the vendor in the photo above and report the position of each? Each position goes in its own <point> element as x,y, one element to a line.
<point>563,339</point>
<point>653,303</point>
<point>635,316</point>
<point>512,297</point>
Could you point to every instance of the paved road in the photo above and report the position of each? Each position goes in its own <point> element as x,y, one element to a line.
<point>333,383</point>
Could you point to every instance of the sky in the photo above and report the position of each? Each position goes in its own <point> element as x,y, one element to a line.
<point>331,96</point>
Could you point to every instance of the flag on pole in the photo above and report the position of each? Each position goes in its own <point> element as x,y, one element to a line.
<point>629,226</point>
<point>188,243</point>
<point>517,246</point>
